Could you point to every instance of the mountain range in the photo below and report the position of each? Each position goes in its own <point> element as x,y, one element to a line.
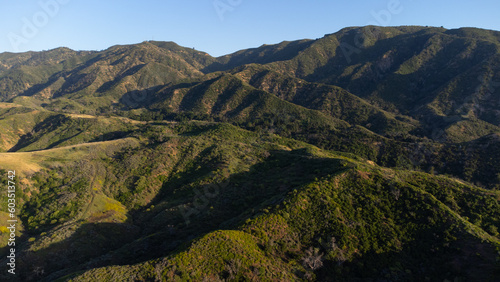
<point>367,154</point>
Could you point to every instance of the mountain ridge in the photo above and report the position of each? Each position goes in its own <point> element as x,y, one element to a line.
<point>367,154</point>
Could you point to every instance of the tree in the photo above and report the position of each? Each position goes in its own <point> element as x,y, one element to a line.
<point>312,260</point>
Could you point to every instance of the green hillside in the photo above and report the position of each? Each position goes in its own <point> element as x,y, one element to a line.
<point>370,154</point>
<point>277,203</point>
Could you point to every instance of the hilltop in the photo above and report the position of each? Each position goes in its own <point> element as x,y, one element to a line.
<point>367,154</point>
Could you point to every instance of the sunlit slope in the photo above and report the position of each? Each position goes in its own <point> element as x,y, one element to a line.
<point>27,163</point>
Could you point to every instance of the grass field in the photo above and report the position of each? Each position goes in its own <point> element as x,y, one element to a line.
<point>8,105</point>
<point>27,163</point>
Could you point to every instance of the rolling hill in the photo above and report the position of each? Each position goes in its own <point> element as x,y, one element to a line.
<point>368,154</point>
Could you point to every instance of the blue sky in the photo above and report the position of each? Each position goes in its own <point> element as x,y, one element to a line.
<point>217,26</point>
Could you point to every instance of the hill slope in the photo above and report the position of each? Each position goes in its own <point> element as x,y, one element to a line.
<point>368,154</point>
<point>273,201</point>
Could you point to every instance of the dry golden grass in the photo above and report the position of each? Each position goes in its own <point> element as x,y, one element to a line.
<point>7,142</point>
<point>26,163</point>
<point>20,162</point>
<point>8,105</point>
<point>122,119</point>
<point>80,116</point>
<point>104,209</point>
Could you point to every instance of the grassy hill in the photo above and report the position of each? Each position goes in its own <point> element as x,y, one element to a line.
<point>424,72</point>
<point>17,121</point>
<point>97,79</point>
<point>427,77</point>
<point>368,154</point>
<point>288,210</point>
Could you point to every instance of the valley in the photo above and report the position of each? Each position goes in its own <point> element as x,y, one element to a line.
<point>286,162</point>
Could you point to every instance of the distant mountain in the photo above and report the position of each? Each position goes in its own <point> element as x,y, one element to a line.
<point>402,84</point>
<point>433,75</point>
<point>422,72</point>
<point>368,154</point>
<point>113,72</point>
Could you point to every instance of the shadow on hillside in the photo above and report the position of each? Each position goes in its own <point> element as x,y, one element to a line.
<point>145,98</point>
<point>43,129</point>
<point>195,211</point>
<point>110,84</point>
<point>381,71</point>
<point>109,136</point>
<point>186,212</point>
<point>261,55</point>
<point>47,125</point>
<point>430,256</point>
<point>64,74</point>
<point>159,232</point>
<point>86,247</point>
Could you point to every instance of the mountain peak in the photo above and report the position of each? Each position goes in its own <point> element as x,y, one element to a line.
<point>369,154</point>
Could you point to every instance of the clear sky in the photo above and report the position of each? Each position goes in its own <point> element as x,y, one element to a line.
<point>218,26</point>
